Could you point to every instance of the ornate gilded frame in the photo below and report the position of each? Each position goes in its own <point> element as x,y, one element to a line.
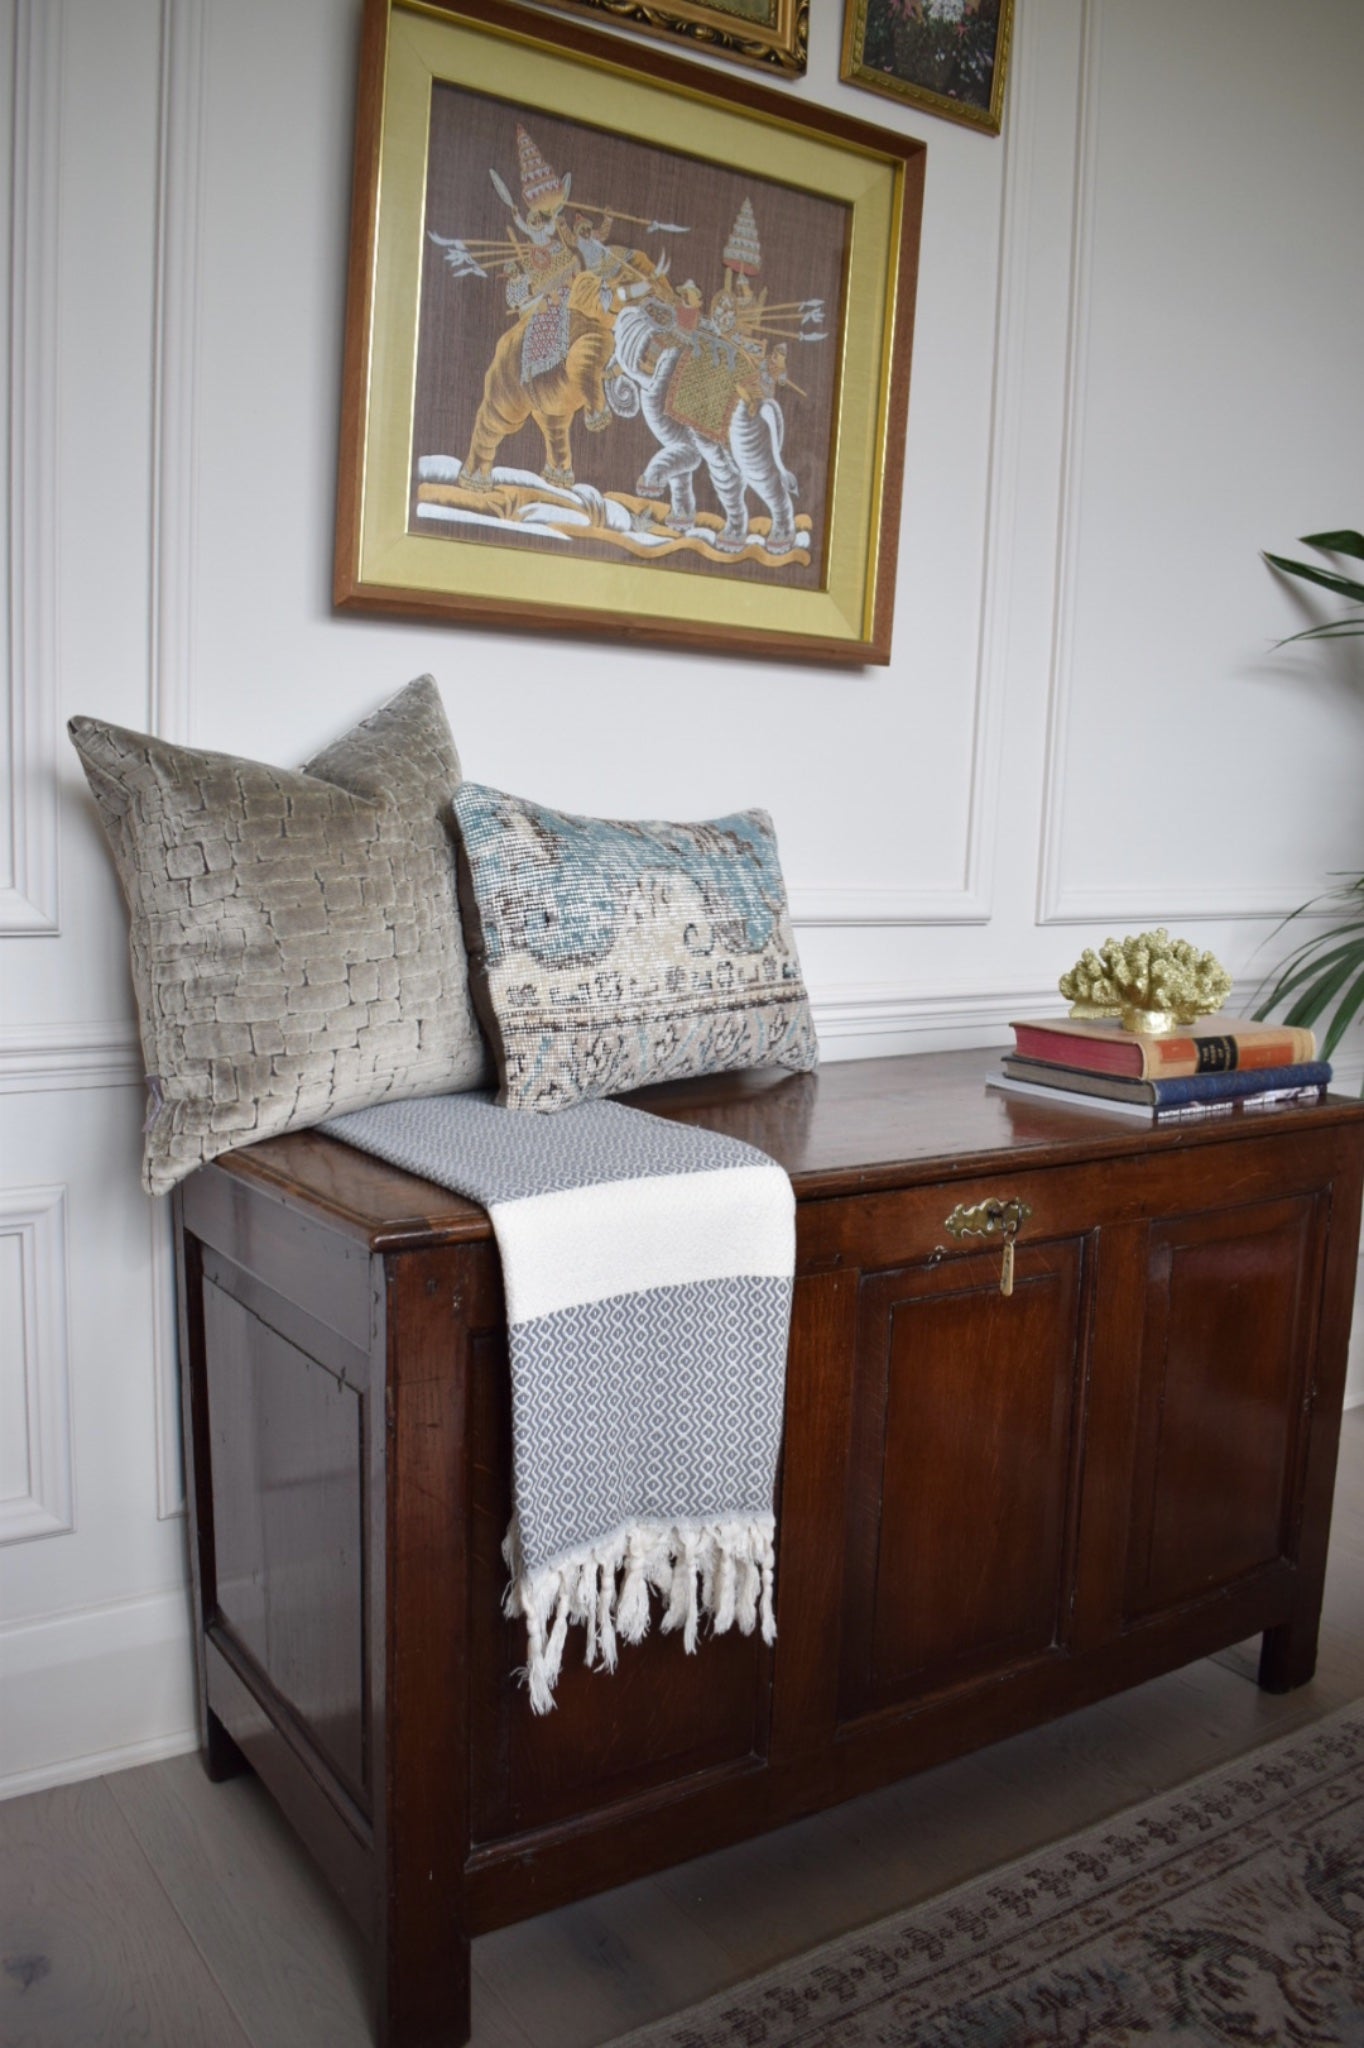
<point>855,70</point>
<point>779,44</point>
<point>509,55</point>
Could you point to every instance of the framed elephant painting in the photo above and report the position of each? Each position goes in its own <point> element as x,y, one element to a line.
<point>627,344</point>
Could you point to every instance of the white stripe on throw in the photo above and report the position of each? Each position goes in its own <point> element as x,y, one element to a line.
<point>622,1237</point>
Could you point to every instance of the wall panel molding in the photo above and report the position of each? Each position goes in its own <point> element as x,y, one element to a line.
<point>29,881</point>
<point>179,224</point>
<point>37,1353</point>
<point>1063,898</point>
<point>1053,897</point>
<point>1006,476</point>
<point>852,904</point>
<point>969,902</point>
<point>850,1019</point>
<point>37,1057</point>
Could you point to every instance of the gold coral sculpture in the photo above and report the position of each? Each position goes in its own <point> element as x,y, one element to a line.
<point>1152,982</point>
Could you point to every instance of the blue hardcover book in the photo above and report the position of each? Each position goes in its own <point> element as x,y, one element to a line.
<point>1188,1093</point>
<point>1241,1081</point>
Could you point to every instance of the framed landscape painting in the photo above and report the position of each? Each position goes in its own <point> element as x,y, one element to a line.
<point>627,345</point>
<point>947,56</point>
<point>772,33</point>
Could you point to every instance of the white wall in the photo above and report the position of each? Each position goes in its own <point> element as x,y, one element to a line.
<point>1136,364</point>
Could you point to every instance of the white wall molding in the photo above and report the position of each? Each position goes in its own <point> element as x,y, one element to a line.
<point>29,882</point>
<point>96,1689</point>
<point>179,213</point>
<point>1051,887</point>
<point>38,1354</point>
<point>1063,899</point>
<point>1156,902</point>
<point>859,1021</point>
<point>969,902</point>
<point>1006,471</point>
<point>814,904</point>
<point>35,1057</point>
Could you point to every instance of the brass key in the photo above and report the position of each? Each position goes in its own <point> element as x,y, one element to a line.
<point>994,1218</point>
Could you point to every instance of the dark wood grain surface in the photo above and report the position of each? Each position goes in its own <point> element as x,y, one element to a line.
<point>992,1509</point>
<point>853,1127</point>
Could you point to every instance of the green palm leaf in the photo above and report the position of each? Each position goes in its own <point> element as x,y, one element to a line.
<point>1349,1009</point>
<point>1332,629</point>
<point>1327,967</point>
<point>1292,975</point>
<point>1329,579</point>
<point>1345,543</point>
<point>1324,986</point>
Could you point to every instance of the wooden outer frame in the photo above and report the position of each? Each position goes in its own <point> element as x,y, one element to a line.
<point>886,412</point>
<point>783,47</point>
<point>853,71</point>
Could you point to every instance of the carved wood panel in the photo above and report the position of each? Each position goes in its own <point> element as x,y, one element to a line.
<point>1229,1333</point>
<point>962,1477</point>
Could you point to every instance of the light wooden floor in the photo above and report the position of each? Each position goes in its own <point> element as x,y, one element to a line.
<point>153,1908</point>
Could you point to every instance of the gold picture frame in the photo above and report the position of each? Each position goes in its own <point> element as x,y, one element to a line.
<point>773,34</point>
<point>949,57</point>
<point>687,298</point>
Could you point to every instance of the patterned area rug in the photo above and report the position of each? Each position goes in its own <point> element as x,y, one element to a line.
<point>1230,1912</point>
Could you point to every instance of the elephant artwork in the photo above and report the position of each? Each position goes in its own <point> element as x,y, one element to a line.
<point>708,387</point>
<point>708,404</point>
<point>651,388</point>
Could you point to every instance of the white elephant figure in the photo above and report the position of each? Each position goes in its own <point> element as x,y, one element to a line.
<point>748,458</point>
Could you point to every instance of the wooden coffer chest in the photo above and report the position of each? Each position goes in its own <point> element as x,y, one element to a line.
<point>991,1509</point>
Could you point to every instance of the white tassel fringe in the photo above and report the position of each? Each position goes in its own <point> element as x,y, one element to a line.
<point>724,1570</point>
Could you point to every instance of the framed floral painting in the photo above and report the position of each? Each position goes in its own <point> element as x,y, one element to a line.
<point>627,343</point>
<point>947,56</point>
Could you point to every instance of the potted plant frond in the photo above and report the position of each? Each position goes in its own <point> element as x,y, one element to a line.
<point>1324,975</point>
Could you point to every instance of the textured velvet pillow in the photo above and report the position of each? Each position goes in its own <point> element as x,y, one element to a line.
<point>295,935</point>
<point>606,954</point>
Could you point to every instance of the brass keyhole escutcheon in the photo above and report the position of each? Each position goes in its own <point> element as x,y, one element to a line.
<point>998,1217</point>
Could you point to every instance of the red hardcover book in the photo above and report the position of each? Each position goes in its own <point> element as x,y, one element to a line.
<point>1215,1045</point>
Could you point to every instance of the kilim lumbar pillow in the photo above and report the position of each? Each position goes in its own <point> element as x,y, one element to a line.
<point>295,934</point>
<point>607,954</point>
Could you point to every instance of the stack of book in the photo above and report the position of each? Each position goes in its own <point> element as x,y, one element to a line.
<point>1194,1071</point>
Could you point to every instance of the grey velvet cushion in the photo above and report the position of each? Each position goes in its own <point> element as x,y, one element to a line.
<point>295,935</point>
<point>606,953</point>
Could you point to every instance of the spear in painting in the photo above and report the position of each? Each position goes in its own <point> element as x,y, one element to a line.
<point>636,220</point>
<point>467,258</point>
<point>790,320</point>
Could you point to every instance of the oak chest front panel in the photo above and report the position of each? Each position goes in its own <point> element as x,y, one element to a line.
<point>962,1478</point>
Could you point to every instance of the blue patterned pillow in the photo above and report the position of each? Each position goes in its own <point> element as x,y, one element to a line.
<point>607,954</point>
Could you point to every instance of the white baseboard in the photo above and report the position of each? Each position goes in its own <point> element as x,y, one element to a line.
<point>95,1690</point>
<point>96,1763</point>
